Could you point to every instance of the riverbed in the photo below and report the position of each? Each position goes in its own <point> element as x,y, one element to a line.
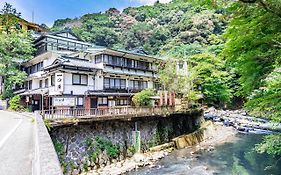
<point>235,156</point>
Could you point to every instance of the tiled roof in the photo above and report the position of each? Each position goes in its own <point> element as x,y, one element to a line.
<point>72,61</point>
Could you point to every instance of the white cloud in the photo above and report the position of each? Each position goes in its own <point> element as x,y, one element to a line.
<point>150,2</point>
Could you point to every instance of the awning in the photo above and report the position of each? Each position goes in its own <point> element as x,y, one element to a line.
<point>35,92</point>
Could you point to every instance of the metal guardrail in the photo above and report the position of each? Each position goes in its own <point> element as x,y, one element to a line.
<point>64,113</point>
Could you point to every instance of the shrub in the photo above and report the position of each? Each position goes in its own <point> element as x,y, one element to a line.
<point>15,103</point>
<point>143,98</point>
<point>98,145</point>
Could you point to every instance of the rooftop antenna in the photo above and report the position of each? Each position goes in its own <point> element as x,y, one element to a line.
<point>32,16</point>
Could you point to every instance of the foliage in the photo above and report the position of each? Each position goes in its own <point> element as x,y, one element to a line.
<point>99,145</point>
<point>270,145</point>
<point>143,98</point>
<point>266,101</point>
<point>253,50</point>
<point>156,28</point>
<point>15,47</point>
<point>206,73</point>
<point>212,78</point>
<point>253,54</point>
<point>15,103</point>
<point>47,124</point>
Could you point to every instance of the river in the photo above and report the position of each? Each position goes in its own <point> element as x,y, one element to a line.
<point>232,158</point>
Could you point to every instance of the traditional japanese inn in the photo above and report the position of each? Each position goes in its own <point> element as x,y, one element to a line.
<point>68,72</point>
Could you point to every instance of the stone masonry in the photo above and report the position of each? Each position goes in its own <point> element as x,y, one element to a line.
<point>153,131</point>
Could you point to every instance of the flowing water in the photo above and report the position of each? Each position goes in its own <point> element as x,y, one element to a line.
<point>233,158</point>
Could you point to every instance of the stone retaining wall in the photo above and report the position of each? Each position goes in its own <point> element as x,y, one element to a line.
<point>153,131</point>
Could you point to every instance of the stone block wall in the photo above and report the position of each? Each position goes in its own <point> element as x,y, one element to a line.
<point>153,131</point>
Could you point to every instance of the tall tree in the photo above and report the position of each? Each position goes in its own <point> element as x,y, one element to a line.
<point>15,48</point>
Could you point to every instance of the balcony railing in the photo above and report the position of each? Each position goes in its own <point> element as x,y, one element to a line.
<point>107,113</point>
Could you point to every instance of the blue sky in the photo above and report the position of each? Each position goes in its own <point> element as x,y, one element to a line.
<point>46,11</point>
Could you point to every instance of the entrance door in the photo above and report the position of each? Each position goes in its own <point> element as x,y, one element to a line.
<point>36,105</point>
<point>94,102</point>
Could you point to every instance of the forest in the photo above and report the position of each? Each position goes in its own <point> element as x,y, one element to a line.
<point>232,47</point>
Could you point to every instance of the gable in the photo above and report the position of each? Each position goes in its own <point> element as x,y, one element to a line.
<point>68,35</point>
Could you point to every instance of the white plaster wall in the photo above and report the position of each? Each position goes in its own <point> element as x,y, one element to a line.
<point>77,89</point>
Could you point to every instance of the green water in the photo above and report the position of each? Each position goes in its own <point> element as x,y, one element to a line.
<point>234,158</point>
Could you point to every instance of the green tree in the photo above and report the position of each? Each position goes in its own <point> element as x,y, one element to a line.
<point>15,47</point>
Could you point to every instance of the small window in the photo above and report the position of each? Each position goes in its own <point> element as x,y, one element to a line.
<point>52,80</point>
<point>181,65</point>
<point>80,101</point>
<point>84,79</point>
<point>98,59</point>
<point>76,79</point>
<point>102,100</point>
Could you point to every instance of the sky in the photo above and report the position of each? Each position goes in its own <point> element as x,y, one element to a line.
<point>47,11</point>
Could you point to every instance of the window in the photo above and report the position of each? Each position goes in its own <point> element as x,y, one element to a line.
<point>46,83</point>
<point>138,84</point>
<point>30,84</point>
<point>79,101</point>
<point>157,86</point>
<point>40,83</point>
<point>52,80</point>
<point>121,102</point>
<point>106,83</point>
<point>105,58</point>
<point>123,84</point>
<point>111,83</point>
<point>102,100</point>
<point>98,59</point>
<point>79,79</point>
<point>114,83</point>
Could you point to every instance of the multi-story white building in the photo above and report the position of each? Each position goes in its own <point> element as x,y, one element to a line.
<point>67,72</point>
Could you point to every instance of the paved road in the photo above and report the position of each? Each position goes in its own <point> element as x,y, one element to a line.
<point>16,144</point>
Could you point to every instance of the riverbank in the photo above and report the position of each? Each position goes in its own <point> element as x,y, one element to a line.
<point>215,134</point>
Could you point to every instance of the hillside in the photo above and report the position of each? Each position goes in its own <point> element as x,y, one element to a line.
<point>156,28</point>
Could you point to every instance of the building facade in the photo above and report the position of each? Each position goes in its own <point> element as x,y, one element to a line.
<point>67,72</point>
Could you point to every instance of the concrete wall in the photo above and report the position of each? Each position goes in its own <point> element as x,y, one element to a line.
<point>45,158</point>
<point>153,131</point>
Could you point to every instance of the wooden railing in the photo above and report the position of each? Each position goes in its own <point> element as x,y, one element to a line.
<point>56,114</point>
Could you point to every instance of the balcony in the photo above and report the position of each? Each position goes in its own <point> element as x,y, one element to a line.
<point>66,116</point>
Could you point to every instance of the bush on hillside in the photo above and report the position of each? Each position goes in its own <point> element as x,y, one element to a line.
<point>15,103</point>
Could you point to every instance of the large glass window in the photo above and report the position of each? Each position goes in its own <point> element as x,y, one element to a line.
<point>114,83</point>
<point>79,79</point>
<point>138,84</point>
